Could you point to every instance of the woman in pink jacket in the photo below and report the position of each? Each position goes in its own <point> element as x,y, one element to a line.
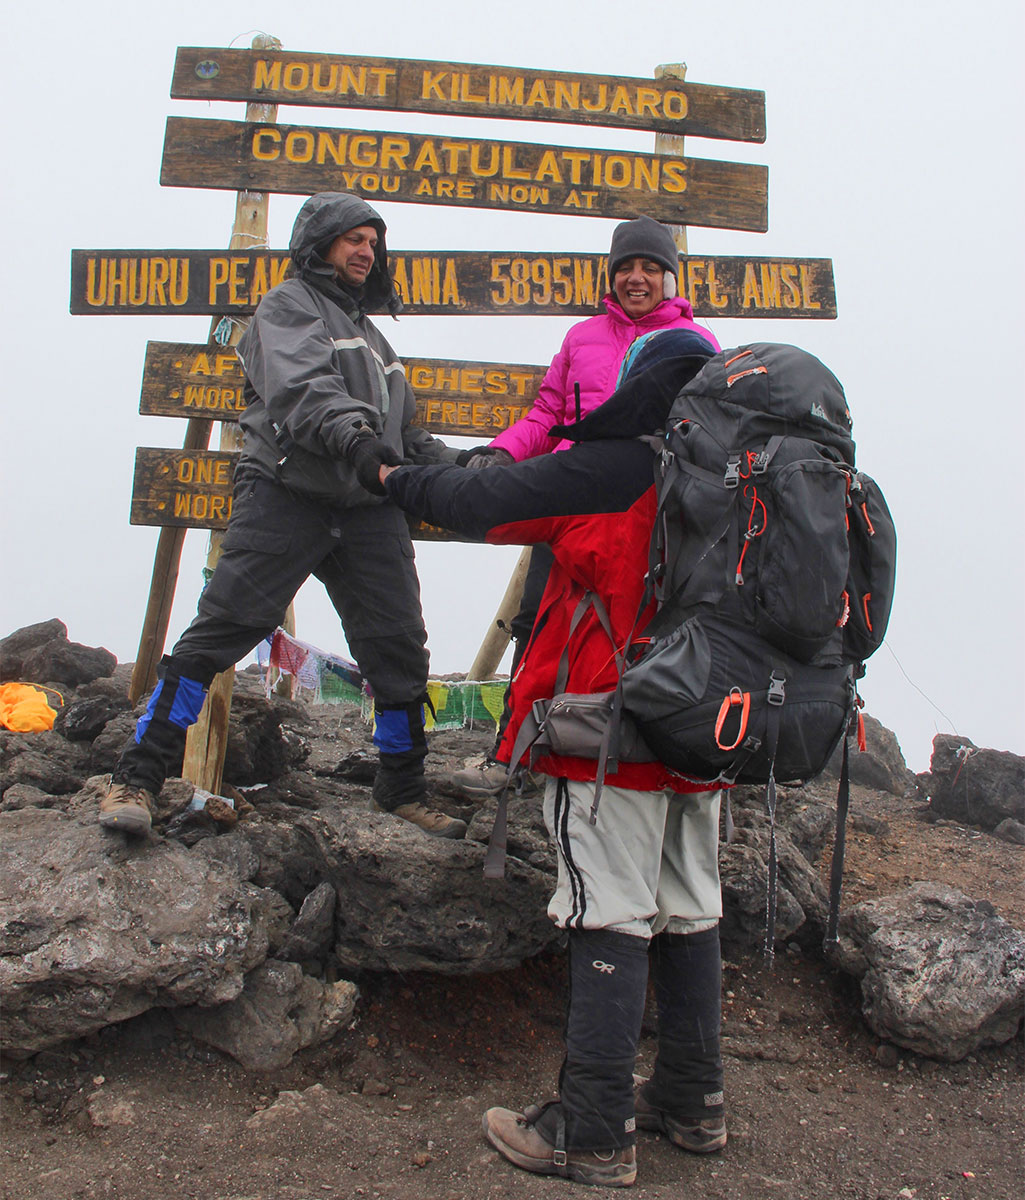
<point>643,265</point>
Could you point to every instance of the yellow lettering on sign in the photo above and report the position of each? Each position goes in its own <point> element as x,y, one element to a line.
<point>427,156</point>
<point>394,151</point>
<point>299,146</point>
<point>576,159</point>
<point>806,290</point>
<point>426,281</point>
<point>236,281</point>
<point>673,176</point>
<point>538,94</point>
<point>266,145</point>
<point>788,277</point>
<point>354,80</point>
<point>319,84</point>
<point>751,294</point>
<point>430,85</point>
<point>599,104</point>
<point>200,365</point>
<point>566,95</point>
<point>620,102</point>
<point>267,75</point>
<point>716,297</point>
<point>296,77</point>
<point>510,91</point>
<point>475,164</point>
<point>450,284</point>
<point>382,78</point>
<point>548,168</point>
<point>218,276</point>
<point>770,286</point>
<point>508,169</point>
<point>333,145</point>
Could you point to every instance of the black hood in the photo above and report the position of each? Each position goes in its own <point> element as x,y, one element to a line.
<point>641,404</point>
<point>321,219</point>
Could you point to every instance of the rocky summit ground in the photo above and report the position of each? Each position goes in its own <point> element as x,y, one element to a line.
<point>817,1108</point>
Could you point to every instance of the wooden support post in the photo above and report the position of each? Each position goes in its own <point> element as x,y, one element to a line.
<point>207,738</point>
<point>671,143</point>
<point>162,584</point>
<point>497,638</point>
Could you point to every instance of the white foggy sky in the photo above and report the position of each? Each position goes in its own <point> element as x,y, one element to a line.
<point>893,149</point>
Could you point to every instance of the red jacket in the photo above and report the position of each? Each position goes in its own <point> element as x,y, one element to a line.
<point>594,504</point>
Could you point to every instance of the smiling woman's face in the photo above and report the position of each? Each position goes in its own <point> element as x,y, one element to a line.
<point>638,285</point>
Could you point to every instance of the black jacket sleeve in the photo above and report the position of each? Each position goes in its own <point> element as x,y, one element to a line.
<point>530,501</point>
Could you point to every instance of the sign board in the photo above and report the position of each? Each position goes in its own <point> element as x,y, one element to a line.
<point>192,488</point>
<point>454,397</point>
<point>466,172</point>
<point>469,90</point>
<point>433,282</point>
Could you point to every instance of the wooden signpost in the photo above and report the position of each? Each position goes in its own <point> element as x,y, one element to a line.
<point>469,90</point>
<point>421,169</point>
<point>433,283</point>
<point>191,487</point>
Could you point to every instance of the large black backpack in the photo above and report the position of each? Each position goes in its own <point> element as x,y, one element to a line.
<point>773,562</point>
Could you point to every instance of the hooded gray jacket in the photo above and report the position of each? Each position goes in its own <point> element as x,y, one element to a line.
<point>317,370</point>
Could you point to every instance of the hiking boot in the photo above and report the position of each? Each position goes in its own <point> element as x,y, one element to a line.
<point>432,822</point>
<point>127,808</point>
<point>487,779</point>
<point>516,1138</point>
<point>699,1135</point>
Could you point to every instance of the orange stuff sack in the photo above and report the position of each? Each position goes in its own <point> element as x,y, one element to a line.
<point>23,708</point>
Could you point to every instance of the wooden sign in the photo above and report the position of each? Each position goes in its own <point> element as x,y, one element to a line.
<point>432,282</point>
<point>469,90</point>
<point>454,397</point>
<point>466,172</point>
<point>193,488</point>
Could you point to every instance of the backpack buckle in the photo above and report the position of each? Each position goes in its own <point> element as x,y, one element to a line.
<point>760,463</point>
<point>777,688</point>
<point>732,477</point>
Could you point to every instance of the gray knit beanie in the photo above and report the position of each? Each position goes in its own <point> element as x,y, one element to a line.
<point>642,238</point>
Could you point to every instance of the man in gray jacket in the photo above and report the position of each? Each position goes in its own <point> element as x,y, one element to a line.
<point>327,405</point>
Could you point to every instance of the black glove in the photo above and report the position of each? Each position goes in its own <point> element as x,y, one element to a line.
<point>484,456</point>
<point>368,454</point>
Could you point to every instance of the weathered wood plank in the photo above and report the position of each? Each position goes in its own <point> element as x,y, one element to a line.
<point>454,396</point>
<point>466,172</point>
<point>193,489</point>
<point>469,90</point>
<point>432,282</point>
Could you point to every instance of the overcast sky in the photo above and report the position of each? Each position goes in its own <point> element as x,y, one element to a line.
<point>893,148</point>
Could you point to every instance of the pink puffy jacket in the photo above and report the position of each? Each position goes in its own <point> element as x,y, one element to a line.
<point>591,355</point>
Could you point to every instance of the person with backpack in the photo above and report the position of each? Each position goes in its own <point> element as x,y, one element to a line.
<point>640,881</point>
<point>642,271</point>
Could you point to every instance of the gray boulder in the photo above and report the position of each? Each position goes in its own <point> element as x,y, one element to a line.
<point>879,766</point>
<point>42,653</point>
<point>95,929</point>
<point>279,1012</point>
<point>940,974</point>
<point>43,760</point>
<point>973,785</point>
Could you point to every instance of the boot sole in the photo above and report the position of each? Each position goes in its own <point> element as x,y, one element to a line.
<point>131,819</point>
<point>618,1176</point>
<point>680,1135</point>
